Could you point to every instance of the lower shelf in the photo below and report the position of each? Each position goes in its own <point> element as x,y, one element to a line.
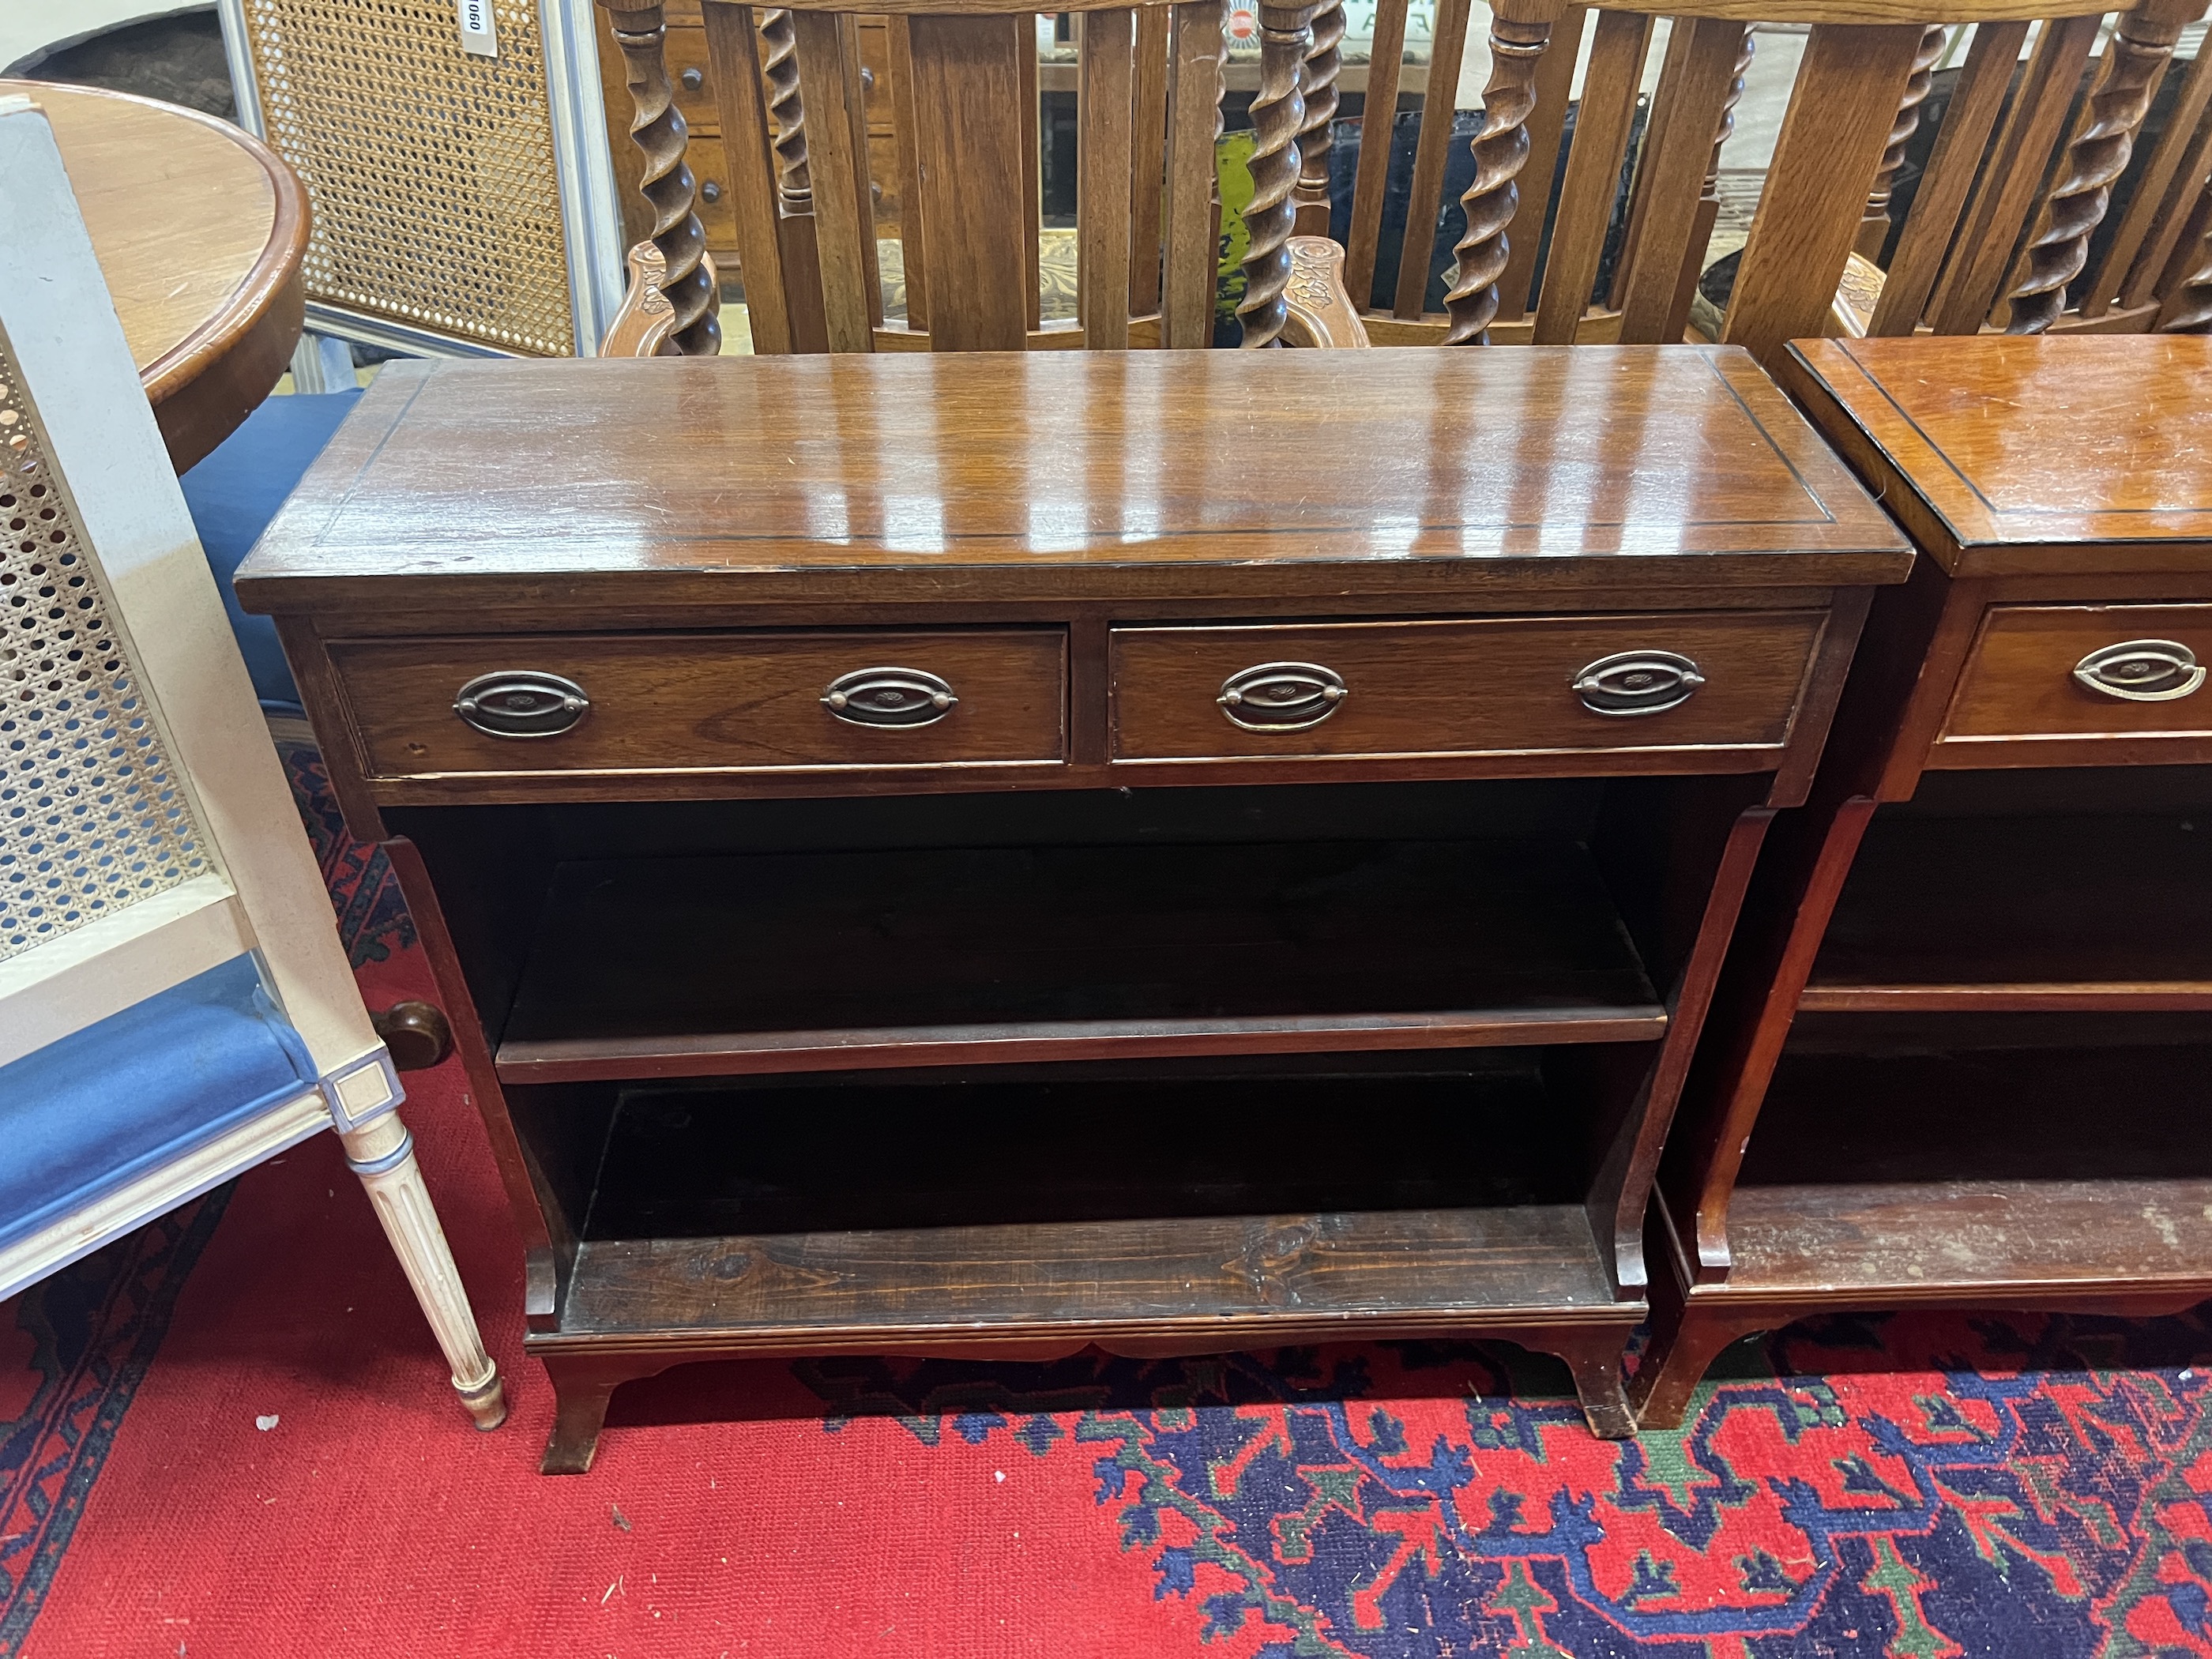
<point>1930,1170</point>
<point>1200,1284</point>
<point>1877,1243</point>
<point>1243,1208</point>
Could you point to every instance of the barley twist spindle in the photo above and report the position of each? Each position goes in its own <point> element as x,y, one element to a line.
<point>2097,157</point>
<point>786,111</point>
<point>1324,62</point>
<point>1874,224</point>
<point>1277,114</point>
<point>1501,149</point>
<point>660,132</point>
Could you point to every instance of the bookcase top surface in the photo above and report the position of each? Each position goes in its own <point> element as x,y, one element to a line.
<point>2020,454</point>
<point>1034,475</point>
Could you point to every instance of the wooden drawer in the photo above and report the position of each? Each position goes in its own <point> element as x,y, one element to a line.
<point>1462,687</point>
<point>884,179</point>
<point>2022,684</point>
<point>716,208</point>
<point>732,702</point>
<point>873,39</point>
<point>686,51</point>
<point>701,106</point>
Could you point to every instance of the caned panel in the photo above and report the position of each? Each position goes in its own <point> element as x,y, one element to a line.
<point>431,171</point>
<point>93,815</point>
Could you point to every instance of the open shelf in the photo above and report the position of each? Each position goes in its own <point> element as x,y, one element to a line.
<point>1193,1284</point>
<point>2061,1155</point>
<point>2059,913</point>
<point>1070,1202</point>
<point>717,966</point>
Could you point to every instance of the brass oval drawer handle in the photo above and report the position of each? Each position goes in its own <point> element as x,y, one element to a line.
<point>1282,697</point>
<point>1638,683</point>
<point>521,702</point>
<point>2142,671</point>
<point>889,696</point>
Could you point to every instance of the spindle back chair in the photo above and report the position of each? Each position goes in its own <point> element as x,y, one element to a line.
<point>1998,233</point>
<point>964,74</point>
<point>1996,230</point>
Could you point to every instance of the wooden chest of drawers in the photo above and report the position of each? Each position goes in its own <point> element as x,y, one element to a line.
<point>1962,1054</point>
<point>974,854</point>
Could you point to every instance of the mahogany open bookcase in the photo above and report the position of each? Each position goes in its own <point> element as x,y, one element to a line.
<point>973,855</point>
<point>1960,1055</point>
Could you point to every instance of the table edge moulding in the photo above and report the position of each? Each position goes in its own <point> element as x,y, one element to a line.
<point>876,662</point>
<point>2056,624</point>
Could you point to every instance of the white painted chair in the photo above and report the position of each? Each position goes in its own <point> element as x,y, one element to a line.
<point>174,1002</point>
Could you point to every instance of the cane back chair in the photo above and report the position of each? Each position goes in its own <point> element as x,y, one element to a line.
<point>175,1006</point>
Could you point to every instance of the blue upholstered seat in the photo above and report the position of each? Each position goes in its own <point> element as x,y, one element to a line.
<point>234,493</point>
<point>83,1116</point>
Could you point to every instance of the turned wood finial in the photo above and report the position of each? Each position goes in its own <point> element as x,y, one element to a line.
<point>786,111</point>
<point>1874,226</point>
<point>1501,149</point>
<point>660,132</point>
<point>1277,114</point>
<point>1317,87</point>
<point>2095,158</point>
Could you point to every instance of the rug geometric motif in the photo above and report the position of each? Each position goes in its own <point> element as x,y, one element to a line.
<point>2059,1512</point>
<point>373,919</point>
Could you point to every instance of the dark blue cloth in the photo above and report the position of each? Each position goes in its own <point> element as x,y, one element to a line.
<point>234,493</point>
<point>91,1113</point>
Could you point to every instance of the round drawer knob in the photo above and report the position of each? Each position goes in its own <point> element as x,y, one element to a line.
<point>417,1034</point>
<point>710,191</point>
<point>692,80</point>
<point>521,702</point>
<point>1282,697</point>
<point>889,696</point>
<point>1638,683</point>
<point>2142,671</point>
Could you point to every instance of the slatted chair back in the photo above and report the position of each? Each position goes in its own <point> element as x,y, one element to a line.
<point>1999,228</point>
<point>965,86</point>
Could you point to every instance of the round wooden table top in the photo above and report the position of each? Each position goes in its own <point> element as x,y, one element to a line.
<point>200,231</point>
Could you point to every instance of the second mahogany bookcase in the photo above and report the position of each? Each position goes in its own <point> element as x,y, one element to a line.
<point>1960,1053</point>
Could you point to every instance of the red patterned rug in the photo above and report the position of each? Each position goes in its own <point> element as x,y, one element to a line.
<point>1917,1486</point>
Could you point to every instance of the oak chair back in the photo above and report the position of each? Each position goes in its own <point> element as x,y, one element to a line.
<point>1999,228</point>
<point>964,84</point>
